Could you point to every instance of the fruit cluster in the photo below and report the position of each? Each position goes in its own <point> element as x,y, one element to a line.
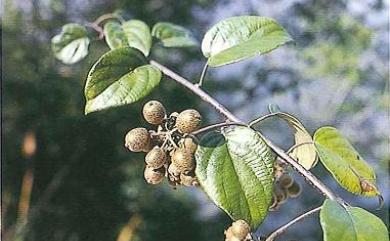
<point>285,187</point>
<point>170,148</point>
<point>239,231</point>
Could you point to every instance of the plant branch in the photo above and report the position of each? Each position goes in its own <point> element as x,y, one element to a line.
<point>232,118</point>
<point>283,228</point>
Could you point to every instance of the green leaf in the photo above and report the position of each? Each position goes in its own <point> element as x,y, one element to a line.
<point>114,35</point>
<point>238,38</point>
<point>71,45</point>
<point>138,35</point>
<point>350,224</point>
<point>133,33</point>
<point>304,151</point>
<point>344,162</point>
<point>236,171</point>
<point>172,35</point>
<point>117,79</point>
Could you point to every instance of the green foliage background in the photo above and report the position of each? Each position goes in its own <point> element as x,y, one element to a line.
<point>339,50</point>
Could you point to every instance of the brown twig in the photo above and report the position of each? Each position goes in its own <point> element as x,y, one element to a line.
<point>283,228</point>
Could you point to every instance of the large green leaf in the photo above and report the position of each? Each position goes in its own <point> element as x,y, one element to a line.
<point>71,45</point>
<point>118,78</point>
<point>133,33</point>
<point>236,171</point>
<point>237,38</point>
<point>138,35</point>
<point>114,35</point>
<point>304,151</point>
<point>344,162</point>
<point>172,35</point>
<point>350,224</point>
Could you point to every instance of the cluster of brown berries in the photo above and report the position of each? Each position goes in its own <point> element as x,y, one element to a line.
<point>285,187</point>
<point>239,231</point>
<point>170,148</point>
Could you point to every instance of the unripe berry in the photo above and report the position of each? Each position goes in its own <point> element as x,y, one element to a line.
<point>183,159</point>
<point>294,190</point>
<point>188,121</point>
<point>189,144</point>
<point>156,158</point>
<point>138,140</point>
<point>188,180</point>
<point>154,112</point>
<point>240,229</point>
<point>286,181</point>
<point>153,176</point>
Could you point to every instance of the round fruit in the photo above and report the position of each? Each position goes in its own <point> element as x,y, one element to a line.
<point>138,140</point>
<point>155,158</point>
<point>286,181</point>
<point>240,229</point>
<point>173,170</point>
<point>189,144</point>
<point>294,190</point>
<point>154,112</point>
<point>183,160</point>
<point>188,121</point>
<point>229,236</point>
<point>366,186</point>
<point>280,195</point>
<point>153,176</point>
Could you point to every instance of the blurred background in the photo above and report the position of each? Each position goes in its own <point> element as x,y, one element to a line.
<point>66,176</point>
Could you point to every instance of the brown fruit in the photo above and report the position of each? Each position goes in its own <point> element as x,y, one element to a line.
<point>240,229</point>
<point>189,144</point>
<point>275,205</point>
<point>154,112</point>
<point>188,121</point>
<point>154,176</point>
<point>286,180</point>
<point>156,158</point>
<point>229,236</point>
<point>183,160</point>
<point>188,180</point>
<point>138,140</point>
<point>173,170</point>
<point>294,190</point>
<point>280,195</point>
<point>366,186</point>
